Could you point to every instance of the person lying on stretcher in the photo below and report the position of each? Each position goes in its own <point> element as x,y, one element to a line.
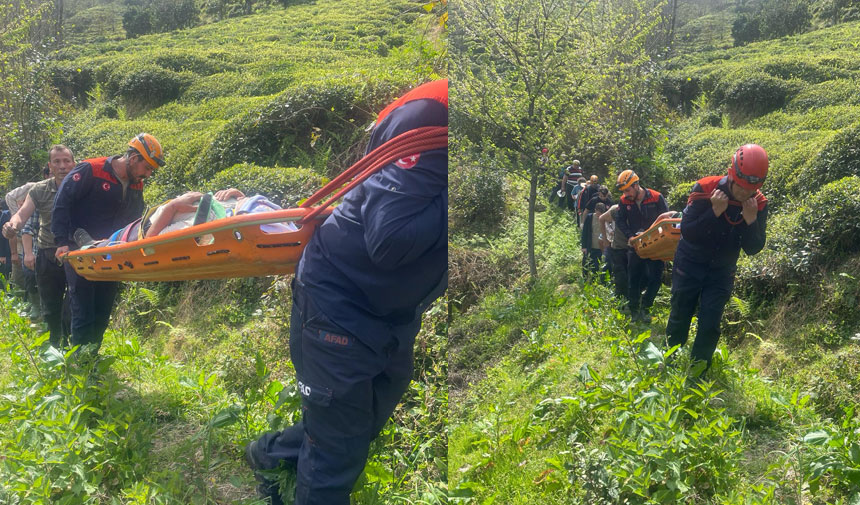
<point>187,210</point>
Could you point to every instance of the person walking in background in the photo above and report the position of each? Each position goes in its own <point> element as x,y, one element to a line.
<point>98,196</point>
<point>637,211</point>
<point>50,275</point>
<point>724,214</point>
<point>591,241</point>
<point>23,278</point>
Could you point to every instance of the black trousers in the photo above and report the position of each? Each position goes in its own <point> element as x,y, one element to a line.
<point>591,262</point>
<point>51,278</point>
<point>708,288</point>
<point>91,304</point>
<point>348,393</point>
<point>618,258</point>
<point>642,275</point>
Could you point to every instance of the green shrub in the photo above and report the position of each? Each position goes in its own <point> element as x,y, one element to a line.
<point>820,232</point>
<point>318,117</point>
<point>137,21</point>
<point>746,28</point>
<point>678,194</point>
<point>751,94</point>
<point>839,158</point>
<point>285,186</point>
<point>680,90</point>
<point>185,60</point>
<point>835,92</point>
<point>477,198</point>
<point>73,82</point>
<point>794,68</point>
<point>149,87</point>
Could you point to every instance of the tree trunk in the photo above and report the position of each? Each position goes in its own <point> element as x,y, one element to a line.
<point>533,183</point>
<point>58,29</point>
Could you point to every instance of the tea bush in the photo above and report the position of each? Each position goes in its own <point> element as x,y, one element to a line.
<point>835,92</point>
<point>151,86</point>
<point>819,232</point>
<point>677,195</point>
<point>73,82</point>
<point>332,114</point>
<point>751,94</point>
<point>839,158</point>
<point>285,186</point>
<point>477,198</point>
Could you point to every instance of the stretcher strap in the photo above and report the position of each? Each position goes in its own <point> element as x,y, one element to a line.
<point>707,196</point>
<point>406,144</point>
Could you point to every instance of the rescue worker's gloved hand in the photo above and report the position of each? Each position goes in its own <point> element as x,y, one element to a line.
<point>719,202</point>
<point>750,210</point>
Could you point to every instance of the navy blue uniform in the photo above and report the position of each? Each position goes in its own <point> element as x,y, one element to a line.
<point>91,197</point>
<point>364,280</point>
<point>641,273</point>
<point>5,250</point>
<point>703,271</point>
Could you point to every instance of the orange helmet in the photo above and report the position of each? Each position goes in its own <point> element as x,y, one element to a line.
<point>149,149</point>
<point>749,166</point>
<point>626,179</point>
<point>594,179</point>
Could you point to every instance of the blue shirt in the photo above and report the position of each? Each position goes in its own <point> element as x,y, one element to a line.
<point>381,258</point>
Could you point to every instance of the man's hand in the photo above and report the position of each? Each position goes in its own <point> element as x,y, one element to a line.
<point>9,230</point>
<point>750,211</point>
<point>719,202</point>
<point>60,252</point>
<point>29,260</point>
<point>631,240</point>
<point>16,260</point>
<point>2,260</point>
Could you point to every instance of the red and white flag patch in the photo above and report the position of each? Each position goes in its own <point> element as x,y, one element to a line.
<point>409,161</point>
<point>106,186</point>
<point>76,177</point>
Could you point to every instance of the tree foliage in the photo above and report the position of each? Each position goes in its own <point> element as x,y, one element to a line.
<point>529,74</point>
<point>29,110</point>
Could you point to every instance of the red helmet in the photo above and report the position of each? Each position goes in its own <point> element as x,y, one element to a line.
<point>749,166</point>
<point>544,150</point>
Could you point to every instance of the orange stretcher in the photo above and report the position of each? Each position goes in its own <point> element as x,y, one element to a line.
<point>232,247</point>
<point>238,246</point>
<point>659,241</point>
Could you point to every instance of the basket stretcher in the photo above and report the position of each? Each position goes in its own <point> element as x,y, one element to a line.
<point>659,241</point>
<point>235,246</point>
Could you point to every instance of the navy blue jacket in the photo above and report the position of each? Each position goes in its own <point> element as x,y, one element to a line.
<point>90,197</point>
<point>381,258</point>
<point>715,241</point>
<point>633,219</point>
<point>5,250</point>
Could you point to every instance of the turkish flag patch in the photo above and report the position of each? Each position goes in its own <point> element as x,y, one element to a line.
<point>106,186</point>
<point>76,177</point>
<point>409,161</point>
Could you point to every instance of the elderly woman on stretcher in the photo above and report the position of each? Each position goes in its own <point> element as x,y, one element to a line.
<point>188,210</point>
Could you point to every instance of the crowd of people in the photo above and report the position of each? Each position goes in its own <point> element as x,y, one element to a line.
<point>724,215</point>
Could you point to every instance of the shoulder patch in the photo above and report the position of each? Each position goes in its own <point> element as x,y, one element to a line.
<point>76,177</point>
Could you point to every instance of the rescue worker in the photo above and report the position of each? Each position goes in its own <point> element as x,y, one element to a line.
<point>724,214</point>
<point>637,211</point>
<point>367,275</point>
<point>98,196</point>
<point>50,275</point>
